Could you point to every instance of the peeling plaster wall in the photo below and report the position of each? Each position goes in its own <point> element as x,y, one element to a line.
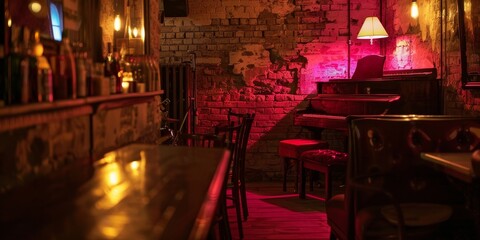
<point>266,57</point>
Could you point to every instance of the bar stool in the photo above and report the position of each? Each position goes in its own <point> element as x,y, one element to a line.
<point>290,150</point>
<point>325,161</point>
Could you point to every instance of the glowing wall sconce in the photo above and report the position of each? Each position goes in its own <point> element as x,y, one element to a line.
<point>38,7</point>
<point>35,6</point>
<point>414,9</point>
<point>117,23</point>
<point>135,32</point>
<point>371,29</point>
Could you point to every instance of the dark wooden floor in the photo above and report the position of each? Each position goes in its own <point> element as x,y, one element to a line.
<point>275,214</point>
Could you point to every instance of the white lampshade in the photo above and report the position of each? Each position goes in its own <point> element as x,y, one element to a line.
<point>371,29</point>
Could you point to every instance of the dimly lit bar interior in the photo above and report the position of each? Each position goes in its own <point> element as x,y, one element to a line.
<point>240,119</point>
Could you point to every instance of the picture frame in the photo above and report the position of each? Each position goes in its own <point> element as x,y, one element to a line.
<point>469,36</point>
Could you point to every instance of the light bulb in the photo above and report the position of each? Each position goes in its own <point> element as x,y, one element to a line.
<point>135,32</point>
<point>35,6</point>
<point>414,10</point>
<point>117,23</point>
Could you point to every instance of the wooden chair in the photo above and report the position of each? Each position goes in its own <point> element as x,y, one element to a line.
<point>290,150</point>
<point>325,161</point>
<point>238,119</point>
<point>369,67</point>
<point>233,133</point>
<point>220,140</point>
<point>201,140</point>
<point>386,178</point>
<point>248,121</point>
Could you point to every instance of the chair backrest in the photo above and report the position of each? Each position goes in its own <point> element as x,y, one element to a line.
<point>243,141</point>
<point>237,137</point>
<point>368,67</point>
<point>234,117</point>
<point>386,152</point>
<point>201,140</point>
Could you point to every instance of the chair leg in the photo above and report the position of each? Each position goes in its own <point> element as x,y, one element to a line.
<point>285,171</point>
<point>328,184</point>
<point>224,225</point>
<point>303,178</point>
<point>243,197</point>
<point>297,172</point>
<point>314,176</point>
<point>236,203</point>
<point>332,236</point>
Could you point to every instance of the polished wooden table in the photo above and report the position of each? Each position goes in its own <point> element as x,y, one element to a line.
<point>136,192</point>
<point>455,164</point>
<point>459,166</point>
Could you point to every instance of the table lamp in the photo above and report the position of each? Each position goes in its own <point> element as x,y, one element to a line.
<point>371,29</point>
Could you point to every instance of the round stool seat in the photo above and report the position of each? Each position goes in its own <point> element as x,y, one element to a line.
<point>325,161</point>
<point>292,148</point>
<point>324,157</point>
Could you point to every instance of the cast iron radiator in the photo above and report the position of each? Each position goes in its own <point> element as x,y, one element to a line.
<point>177,84</point>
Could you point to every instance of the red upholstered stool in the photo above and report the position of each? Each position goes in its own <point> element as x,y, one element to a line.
<point>290,150</point>
<point>325,161</point>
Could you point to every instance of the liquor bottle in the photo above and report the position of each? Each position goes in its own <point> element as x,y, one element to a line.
<point>89,74</point>
<point>33,70</point>
<point>25,66</point>
<point>81,74</point>
<point>13,81</point>
<point>43,78</point>
<point>107,64</point>
<point>116,74</point>
<point>70,68</point>
<point>107,61</point>
<point>140,75</point>
<point>124,72</point>
<point>66,87</point>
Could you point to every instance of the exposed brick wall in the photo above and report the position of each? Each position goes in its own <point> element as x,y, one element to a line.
<point>265,56</point>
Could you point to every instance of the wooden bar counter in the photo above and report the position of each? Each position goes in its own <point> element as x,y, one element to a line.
<point>139,191</point>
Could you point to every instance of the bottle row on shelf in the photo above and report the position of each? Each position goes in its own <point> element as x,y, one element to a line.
<point>27,76</point>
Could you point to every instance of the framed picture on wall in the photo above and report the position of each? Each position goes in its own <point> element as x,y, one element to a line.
<point>469,33</point>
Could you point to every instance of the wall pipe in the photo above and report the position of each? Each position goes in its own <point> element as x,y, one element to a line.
<point>349,40</point>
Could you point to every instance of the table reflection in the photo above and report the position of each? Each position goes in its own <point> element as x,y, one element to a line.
<point>137,192</point>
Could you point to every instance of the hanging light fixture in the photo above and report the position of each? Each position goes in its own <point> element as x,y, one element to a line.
<point>38,7</point>
<point>35,6</point>
<point>414,9</point>
<point>371,29</point>
<point>117,23</point>
<point>135,32</point>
